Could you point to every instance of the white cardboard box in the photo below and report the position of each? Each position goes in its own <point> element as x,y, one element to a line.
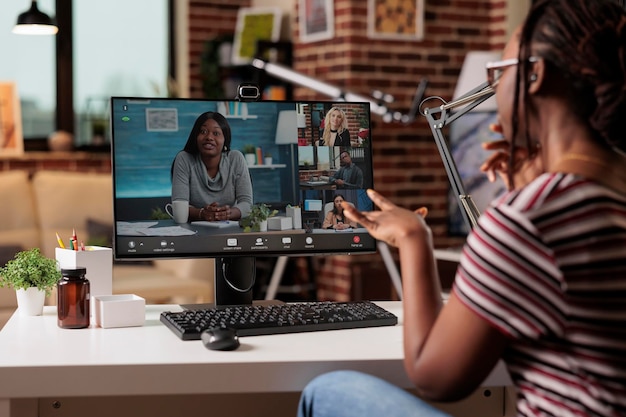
<point>121,310</point>
<point>296,216</point>
<point>279,223</point>
<point>99,263</point>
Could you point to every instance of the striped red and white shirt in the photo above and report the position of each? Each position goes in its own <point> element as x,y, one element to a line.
<point>546,266</point>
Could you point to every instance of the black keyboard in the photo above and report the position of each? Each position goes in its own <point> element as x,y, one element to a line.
<point>261,319</point>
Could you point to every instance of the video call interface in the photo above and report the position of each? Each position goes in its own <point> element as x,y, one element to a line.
<point>301,157</point>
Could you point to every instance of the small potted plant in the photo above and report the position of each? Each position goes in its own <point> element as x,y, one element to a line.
<point>268,158</point>
<point>33,276</point>
<point>249,151</point>
<point>256,221</point>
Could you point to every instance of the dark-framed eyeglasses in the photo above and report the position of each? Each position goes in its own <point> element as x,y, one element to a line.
<point>495,69</point>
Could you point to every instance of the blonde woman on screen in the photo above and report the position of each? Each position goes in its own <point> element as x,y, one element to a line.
<point>336,131</point>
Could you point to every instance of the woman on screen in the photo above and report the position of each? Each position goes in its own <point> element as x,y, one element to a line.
<point>542,277</point>
<point>335,218</point>
<point>212,177</point>
<point>336,131</point>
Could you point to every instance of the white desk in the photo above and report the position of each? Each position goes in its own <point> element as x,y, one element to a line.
<point>40,360</point>
<point>450,254</point>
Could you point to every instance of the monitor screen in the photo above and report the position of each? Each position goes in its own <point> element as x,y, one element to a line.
<point>190,177</point>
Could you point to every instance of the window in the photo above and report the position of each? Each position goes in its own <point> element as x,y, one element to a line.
<point>317,157</point>
<point>29,61</point>
<point>119,47</point>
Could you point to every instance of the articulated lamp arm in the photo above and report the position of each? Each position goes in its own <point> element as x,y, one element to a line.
<point>470,100</point>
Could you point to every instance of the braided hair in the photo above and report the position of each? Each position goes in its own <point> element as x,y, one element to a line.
<point>585,42</point>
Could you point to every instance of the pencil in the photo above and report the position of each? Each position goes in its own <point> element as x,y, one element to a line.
<point>61,244</point>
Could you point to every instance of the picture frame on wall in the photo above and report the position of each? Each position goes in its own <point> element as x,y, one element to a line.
<point>11,136</point>
<point>254,24</point>
<point>316,20</point>
<point>395,19</point>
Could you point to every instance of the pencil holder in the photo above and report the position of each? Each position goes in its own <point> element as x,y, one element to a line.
<point>98,261</point>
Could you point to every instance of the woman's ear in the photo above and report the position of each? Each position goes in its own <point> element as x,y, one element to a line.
<point>536,76</point>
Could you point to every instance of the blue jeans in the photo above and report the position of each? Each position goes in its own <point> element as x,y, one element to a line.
<point>354,394</point>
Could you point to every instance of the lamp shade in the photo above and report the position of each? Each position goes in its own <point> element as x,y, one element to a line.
<point>473,74</point>
<point>287,128</point>
<point>301,120</point>
<point>34,22</point>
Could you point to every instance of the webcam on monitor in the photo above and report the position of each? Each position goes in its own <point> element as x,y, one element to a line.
<point>248,92</point>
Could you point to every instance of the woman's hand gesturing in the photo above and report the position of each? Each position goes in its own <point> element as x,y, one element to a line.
<point>392,223</point>
<point>526,167</point>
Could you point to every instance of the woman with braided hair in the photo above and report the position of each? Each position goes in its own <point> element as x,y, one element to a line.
<point>542,280</point>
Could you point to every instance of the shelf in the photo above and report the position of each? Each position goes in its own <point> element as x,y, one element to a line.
<point>240,116</point>
<point>235,110</point>
<point>273,166</point>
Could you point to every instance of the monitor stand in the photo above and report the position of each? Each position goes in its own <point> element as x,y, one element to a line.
<point>234,280</point>
<point>234,283</point>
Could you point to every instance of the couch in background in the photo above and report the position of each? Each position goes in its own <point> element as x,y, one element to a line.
<point>35,208</point>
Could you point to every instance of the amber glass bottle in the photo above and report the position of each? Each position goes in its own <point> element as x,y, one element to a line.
<point>73,299</point>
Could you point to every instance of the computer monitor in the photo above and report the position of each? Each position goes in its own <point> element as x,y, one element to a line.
<point>289,170</point>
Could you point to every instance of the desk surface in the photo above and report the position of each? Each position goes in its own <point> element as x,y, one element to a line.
<point>318,185</point>
<point>38,359</point>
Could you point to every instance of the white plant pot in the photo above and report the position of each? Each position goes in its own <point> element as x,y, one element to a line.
<point>268,160</point>
<point>30,301</point>
<point>263,226</point>
<point>250,159</point>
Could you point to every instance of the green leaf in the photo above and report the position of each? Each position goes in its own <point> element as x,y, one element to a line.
<point>258,213</point>
<point>30,268</point>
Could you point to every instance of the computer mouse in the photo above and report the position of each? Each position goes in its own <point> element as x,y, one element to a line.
<point>220,339</point>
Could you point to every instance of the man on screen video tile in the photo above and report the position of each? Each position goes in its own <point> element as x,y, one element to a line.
<point>349,175</point>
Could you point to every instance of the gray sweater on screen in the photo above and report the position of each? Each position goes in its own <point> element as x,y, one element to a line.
<point>231,186</point>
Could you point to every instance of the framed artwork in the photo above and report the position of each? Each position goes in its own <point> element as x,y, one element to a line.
<point>254,24</point>
<point>316,20</point>
<point>395,19</point>
<point>162,120</point>
<point>11,138</point>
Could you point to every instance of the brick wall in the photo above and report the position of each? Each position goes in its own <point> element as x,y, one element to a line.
<point>407,165</point>
<point>406,161</point>
<point>208,19</point>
